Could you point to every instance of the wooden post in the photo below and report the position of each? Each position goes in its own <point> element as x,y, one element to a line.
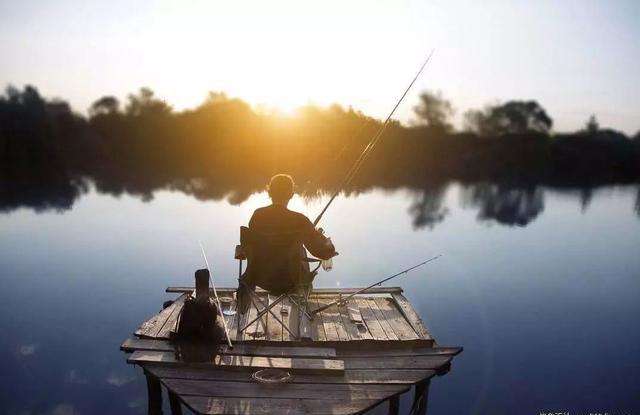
<point>202,283</point>
<point>394,405</point>
<point>174,403</point>
<point>421,397</point>
<point>154,395</point>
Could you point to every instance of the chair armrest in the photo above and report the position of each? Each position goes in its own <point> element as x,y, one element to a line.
<point>239,254</point>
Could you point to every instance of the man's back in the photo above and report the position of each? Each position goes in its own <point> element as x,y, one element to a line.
<point>277,219</point>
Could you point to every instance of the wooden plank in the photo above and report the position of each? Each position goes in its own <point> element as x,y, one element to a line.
<point>170,324</point>
<point>257,330</point>
<point>354,331</point>
<point>352,376</point>
<point>288,390</point>
<point>299,365</point>
<point>381,319</point>
<point>396,362</point>
<point>370,320</point>
<point>279,351</point>
<point>332,323</point>
<point>400,326</point>
<point>151,327</point>
<point>274,328</point>
<point>422,351</point>
<point>290,319</point>
<point>315,292</point>
<point>410,314</point>
<point>317,324</point>
<point>133,343</point>
<point>237,406</point>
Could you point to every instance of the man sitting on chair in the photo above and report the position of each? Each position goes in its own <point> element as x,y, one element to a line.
<point>276,219</point>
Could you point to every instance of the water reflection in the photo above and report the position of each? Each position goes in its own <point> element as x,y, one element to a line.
<point>86,279</point>
<point>427,209</point>
<point>42,193</point>
<point>505,204</point>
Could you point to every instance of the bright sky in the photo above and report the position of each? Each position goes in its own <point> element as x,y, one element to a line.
<point>574,57</point>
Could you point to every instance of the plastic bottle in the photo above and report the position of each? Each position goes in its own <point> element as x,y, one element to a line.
<point>327,264</point>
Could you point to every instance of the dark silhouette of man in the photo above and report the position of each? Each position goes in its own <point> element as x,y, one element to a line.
<point>276,218</point>
<point>278,268</point>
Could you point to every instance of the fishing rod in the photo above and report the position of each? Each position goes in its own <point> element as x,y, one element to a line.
<point>215,293</point>
<point>372,143</point>
<point>342,301</point>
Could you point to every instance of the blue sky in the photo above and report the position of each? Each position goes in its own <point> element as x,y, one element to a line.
<point>575,57</point>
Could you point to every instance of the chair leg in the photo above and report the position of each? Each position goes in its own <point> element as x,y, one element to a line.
<point>302,307</point>
<point>264,306</point>
<point>263,311</point>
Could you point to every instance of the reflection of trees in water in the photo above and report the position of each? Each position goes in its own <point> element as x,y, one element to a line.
<point>637,204</point>
<point>52,193</point>
<point>427,209</point>
<point>586,195</point>
<point>224,149</point>
<point>505,204</point>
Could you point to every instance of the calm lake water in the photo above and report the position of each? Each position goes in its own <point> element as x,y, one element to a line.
<point>546,311</point>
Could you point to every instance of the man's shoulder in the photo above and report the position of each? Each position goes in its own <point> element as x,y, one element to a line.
<point>262,210</point>
<point>299,216</point>
<point>271,212</point>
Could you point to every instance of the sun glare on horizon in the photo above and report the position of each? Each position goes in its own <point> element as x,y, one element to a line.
<point>285,54</point>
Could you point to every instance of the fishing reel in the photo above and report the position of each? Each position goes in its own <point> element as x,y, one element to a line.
<point>341,301</point>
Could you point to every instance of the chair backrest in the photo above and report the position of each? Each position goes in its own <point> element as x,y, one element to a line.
<point>275,261</point>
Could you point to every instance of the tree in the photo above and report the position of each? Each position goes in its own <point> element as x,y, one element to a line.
<point>146,104</point>
<point>592,125</point>
<point>105,106</point>
<point>513,117</point>
<point>434,111</point>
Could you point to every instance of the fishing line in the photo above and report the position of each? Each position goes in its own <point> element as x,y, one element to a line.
<point>372,143</point>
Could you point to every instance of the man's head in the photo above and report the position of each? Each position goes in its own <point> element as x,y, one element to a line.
<point>281,188</point>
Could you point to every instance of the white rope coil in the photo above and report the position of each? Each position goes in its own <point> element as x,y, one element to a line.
<point>271,376</point>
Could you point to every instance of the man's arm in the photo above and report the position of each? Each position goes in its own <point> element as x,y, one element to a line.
<point>316,243</point>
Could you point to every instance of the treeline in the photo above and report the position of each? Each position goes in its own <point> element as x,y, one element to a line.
<point>226,148</point>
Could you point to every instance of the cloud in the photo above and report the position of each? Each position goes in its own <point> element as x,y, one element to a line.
<point>27,349</point>
<point>64,409</point>
<point>73,377</point>
<point>138,405</point>
<point>119,380</point>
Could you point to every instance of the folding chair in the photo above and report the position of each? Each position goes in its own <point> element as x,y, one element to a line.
<point>277,263</point>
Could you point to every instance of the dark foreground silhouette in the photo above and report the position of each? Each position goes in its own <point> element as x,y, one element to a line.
<point>225,149</point>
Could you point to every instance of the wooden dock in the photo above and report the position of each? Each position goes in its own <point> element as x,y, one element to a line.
<point>355,357</point>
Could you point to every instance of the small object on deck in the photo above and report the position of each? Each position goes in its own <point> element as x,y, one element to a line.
<point>229,312</point>
<point>256,333</point>
<point>354,312</point>
<point>271,376</point>
<point>226,301</point>
<point>285,310</point>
